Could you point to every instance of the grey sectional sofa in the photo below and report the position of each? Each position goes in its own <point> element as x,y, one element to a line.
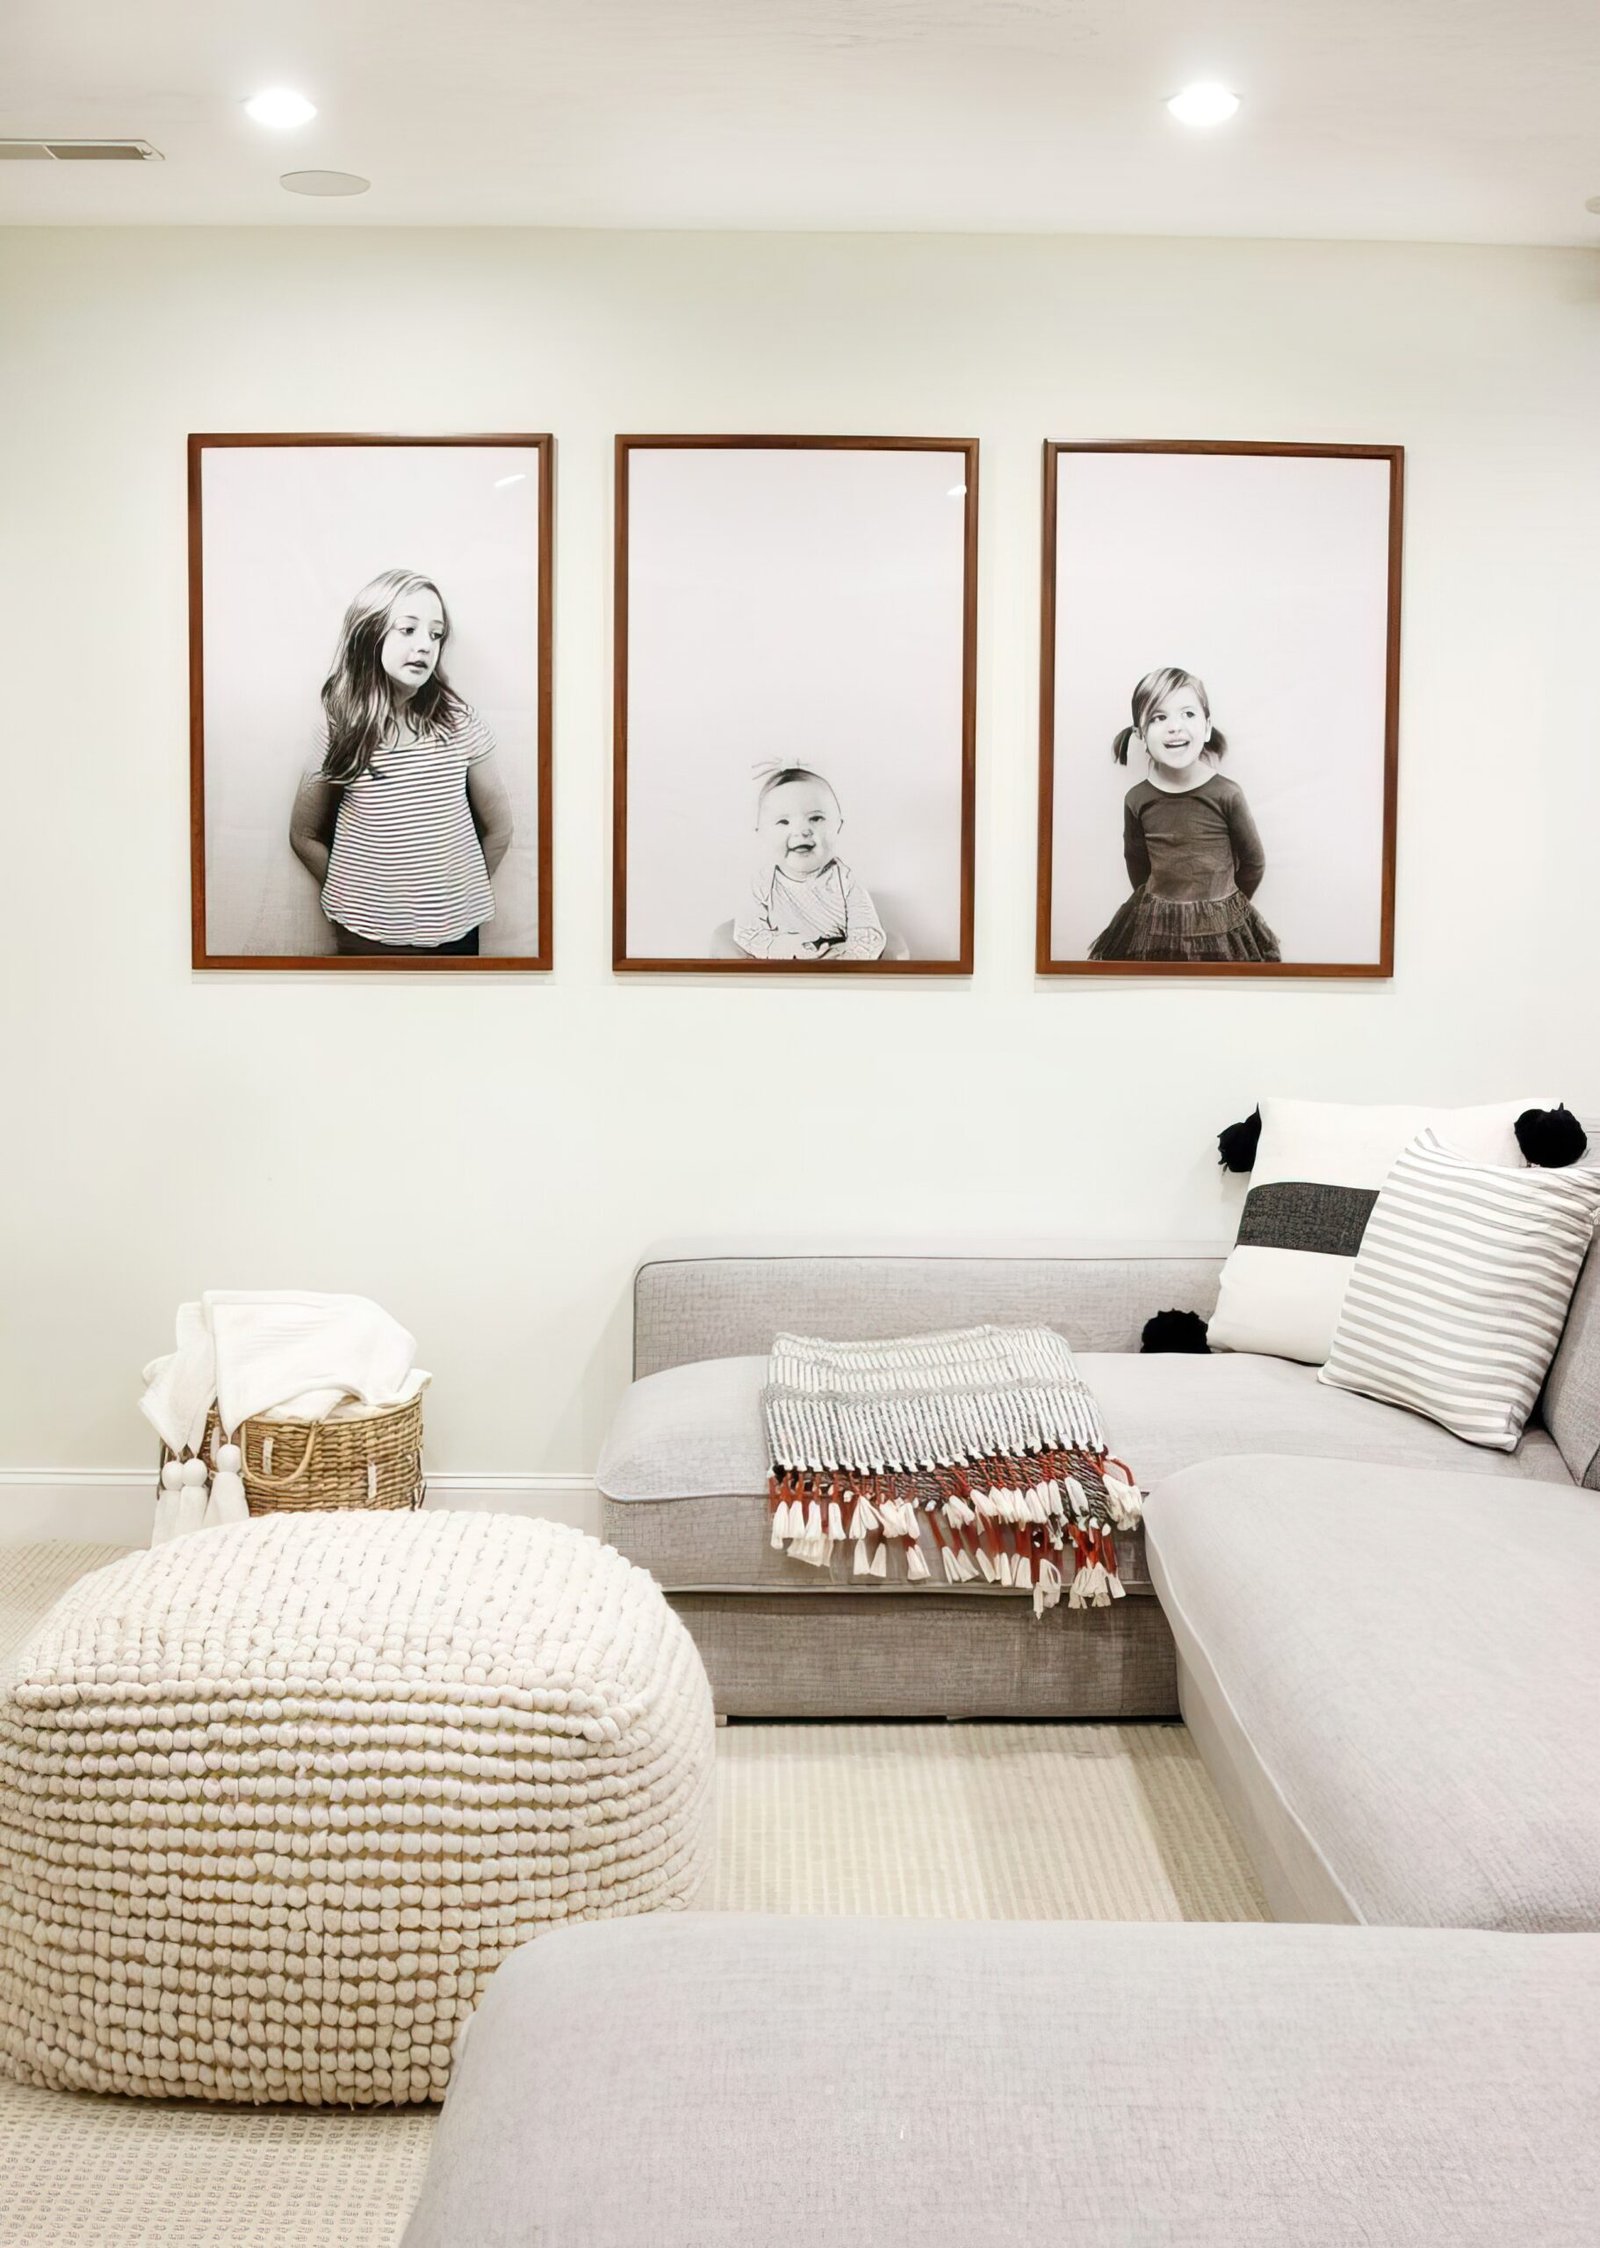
<point>683,1473</point>
<point>1383,1639</point>
<point>1385,1645</point>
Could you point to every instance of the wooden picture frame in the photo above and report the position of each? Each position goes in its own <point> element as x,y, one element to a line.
<point>688,584</point>
<point>283,528</point>
<point>1295,580</point>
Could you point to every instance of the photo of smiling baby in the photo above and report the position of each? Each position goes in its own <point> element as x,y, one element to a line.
<point>794,755</point>
<point>805,903</point>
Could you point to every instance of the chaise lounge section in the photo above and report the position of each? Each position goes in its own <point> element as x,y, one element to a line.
<point>1397,1692</point>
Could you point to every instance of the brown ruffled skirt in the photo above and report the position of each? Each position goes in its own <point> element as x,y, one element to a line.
<point>1148,928</point>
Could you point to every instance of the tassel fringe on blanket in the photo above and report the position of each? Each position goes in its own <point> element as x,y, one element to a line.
<point>987,1437</point>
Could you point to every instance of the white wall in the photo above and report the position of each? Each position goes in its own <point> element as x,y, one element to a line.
<point>488,1155</point>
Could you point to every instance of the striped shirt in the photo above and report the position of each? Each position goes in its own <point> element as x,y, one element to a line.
<point>406,865</point>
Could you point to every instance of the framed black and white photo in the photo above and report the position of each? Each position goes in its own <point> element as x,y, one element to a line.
<point>1218,703</point>
<point>369,673</point>
<point>794,722</point>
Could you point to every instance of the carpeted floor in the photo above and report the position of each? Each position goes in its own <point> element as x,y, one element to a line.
<point>1036,1822</point>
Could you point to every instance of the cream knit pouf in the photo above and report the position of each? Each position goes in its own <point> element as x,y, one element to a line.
<point>276,1800</point>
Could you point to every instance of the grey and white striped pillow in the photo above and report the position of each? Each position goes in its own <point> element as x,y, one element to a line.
<point>1459,1290</point>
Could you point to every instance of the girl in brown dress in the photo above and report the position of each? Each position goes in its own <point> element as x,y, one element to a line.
<point>1193,853</point>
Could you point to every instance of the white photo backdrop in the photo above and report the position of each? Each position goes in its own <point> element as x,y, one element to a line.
<point>1264,580</point>
<point>291,532</point>
<point>794,607</point>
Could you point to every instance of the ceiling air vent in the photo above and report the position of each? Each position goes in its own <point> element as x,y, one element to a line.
<point>78,152</point>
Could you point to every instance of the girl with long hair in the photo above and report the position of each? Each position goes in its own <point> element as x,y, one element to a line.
<point>405,816</point>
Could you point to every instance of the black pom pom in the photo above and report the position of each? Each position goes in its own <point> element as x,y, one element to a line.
<point>1237,1143</point>
<point>1175,1330</point>
<point>1551,1137</point>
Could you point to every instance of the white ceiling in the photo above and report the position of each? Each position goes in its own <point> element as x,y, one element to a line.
<point>1445,120</point>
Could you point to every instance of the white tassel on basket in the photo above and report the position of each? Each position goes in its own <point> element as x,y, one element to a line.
<point>191,1499</point>
<point>168,1500</point>
<point>227,1503</point>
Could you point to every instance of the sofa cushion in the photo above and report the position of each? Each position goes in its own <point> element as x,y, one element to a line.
<point>728,2079</point>
<point>1572,1387</point>
<point>695,1433</point>
<point>1394,1679</point>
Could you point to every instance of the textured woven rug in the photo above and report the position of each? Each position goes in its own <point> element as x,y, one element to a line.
<point>1091,1822</point>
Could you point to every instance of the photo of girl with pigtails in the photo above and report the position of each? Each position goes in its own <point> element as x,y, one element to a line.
<point>1185,583</point>
<point>1193,852</point>
<point>370,727</point>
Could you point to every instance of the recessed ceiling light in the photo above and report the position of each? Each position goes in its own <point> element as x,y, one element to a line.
<point>281,107</point>
<point>324,183</point>
<point>1205,104</point>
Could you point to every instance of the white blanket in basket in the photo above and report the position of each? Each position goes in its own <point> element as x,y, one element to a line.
<point>250,1351</point>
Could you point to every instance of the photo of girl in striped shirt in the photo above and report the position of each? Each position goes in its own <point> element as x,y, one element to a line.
<point>405,816</point>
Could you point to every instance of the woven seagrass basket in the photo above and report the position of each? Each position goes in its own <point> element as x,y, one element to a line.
<point>372,1461</point>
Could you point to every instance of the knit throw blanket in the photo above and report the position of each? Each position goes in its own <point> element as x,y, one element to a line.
<point>987,1438</point>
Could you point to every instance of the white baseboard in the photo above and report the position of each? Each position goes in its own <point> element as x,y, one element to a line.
<point>114,1506</point>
